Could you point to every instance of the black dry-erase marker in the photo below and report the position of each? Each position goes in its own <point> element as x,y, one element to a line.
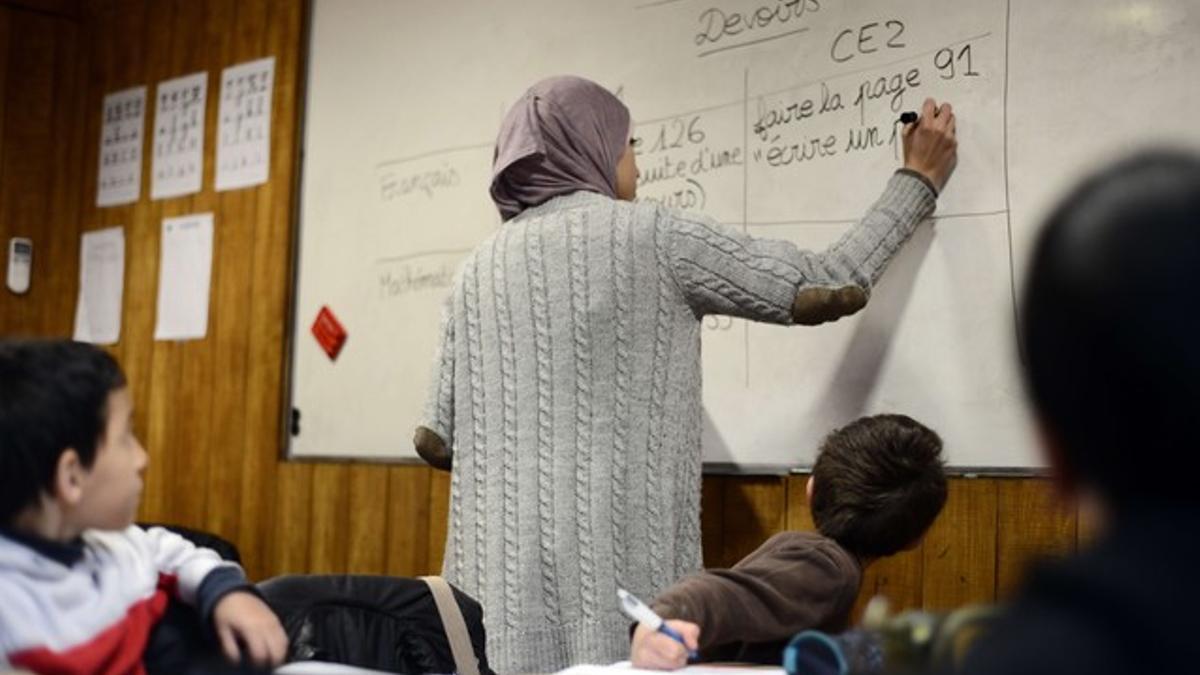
<point>908,117</point>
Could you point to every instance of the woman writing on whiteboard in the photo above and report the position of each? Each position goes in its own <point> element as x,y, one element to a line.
<point>566,394</point>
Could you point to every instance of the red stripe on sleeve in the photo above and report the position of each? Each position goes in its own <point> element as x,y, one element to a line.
<point>117,650</point>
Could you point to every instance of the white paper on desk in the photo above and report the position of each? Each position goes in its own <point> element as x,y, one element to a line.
<point>324,668</point>
<point>184,272</point>
<point>101,286</point>
<point>120,177</point>
<point>178,162</point>
<point>244,124</point>
<point>695,669</point>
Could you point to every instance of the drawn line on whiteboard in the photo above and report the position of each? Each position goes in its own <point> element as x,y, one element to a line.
<point>942,216</point>
<point>433,153</point>
<point>685,113</point>
<point>754,42</point>
<point>1012,265</point>
<point>656,3</point>
<point>970,214</point>
<point>745,203</point>
<point>881,66</point>
<point>423,254</point>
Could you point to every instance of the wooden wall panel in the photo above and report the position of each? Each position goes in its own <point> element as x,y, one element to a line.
<point>712,520</point>
<point>268,286</point>
<point>330,515</point>
<point>209,411</point>
<point>117,65</point>
<point>150,391</point>
<point>189,363</point>
<point>234,243</point>
<point>288,547</point>
<point>799,515</point>
<point>1089,521</point>
<point>66,170</point>
<point>439,512</point>
<point>6,48</point>
<point>899,578</point>
<point>959,552</point>
<point>1033,524</point>
<point>755,508</point>
<point>39,165</point>
<point>407,535</point>
<point>366,549</point>
<point>66,9</point>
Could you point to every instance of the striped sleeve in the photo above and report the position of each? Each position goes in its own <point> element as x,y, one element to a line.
<point>189,564</point>
<point>723,271</point>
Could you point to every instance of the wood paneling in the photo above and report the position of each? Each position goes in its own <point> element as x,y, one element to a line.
<point>230,326</point>
<point>268,283</point>
<point>755,507</point>
<point>712,520</point>
<point>6,49</point>
<point>799,515</point>
<point>958,561</point>
<point>366,552</point>
<point>1033,524</point>
<point>330,519</point>
<point>40,170</point>
<point>287,552</point>
<point>66,9</point>
<point>407,535</point>
<point>439,507</point>
<point>66,166</point>
<point>209,411</point>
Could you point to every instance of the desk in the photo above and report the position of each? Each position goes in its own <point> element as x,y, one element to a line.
<point>696,669</point>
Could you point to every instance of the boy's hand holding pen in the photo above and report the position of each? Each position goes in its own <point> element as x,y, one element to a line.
<point>658,644</point>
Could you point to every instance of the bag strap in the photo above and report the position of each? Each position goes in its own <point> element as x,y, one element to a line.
<point>456,628</point>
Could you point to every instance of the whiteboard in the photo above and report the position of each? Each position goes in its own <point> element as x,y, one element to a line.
<point>775,117</point>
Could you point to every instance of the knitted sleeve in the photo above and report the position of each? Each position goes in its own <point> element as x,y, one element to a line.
<point>723,271</point>
<point>439,405</point>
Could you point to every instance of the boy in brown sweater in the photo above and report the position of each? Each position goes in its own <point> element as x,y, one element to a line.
<point>877,486</point>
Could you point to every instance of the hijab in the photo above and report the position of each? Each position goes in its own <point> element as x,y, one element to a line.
<point>564,134</point>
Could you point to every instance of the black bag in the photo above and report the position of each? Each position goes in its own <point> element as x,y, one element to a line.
<point>385,623</point>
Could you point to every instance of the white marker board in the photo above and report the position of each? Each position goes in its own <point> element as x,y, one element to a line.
<point>772,116</point>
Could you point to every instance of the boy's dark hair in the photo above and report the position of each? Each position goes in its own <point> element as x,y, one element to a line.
<point>53,396</point>
<point>878,484</point>
<point>1110,323</point>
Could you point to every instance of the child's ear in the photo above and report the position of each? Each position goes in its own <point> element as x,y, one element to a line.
<point>808,488</point>
<point>69,477</point>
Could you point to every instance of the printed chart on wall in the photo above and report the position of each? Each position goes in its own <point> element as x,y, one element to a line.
<point>775,118</point>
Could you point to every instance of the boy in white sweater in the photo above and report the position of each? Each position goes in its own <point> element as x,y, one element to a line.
<point>81,588</point>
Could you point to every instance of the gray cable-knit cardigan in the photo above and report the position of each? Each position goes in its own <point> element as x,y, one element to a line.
<point>567,384</point>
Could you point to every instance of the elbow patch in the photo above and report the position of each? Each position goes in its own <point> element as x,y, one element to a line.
<point>432,448</point>
<point>813,306</point>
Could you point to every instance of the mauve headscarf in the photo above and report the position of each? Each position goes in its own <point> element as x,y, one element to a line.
<point>565,134</point>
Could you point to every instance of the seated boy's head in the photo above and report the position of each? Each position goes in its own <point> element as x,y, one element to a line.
<point>878,484</point>
<point>1109,331</point>
<point>68,458</point>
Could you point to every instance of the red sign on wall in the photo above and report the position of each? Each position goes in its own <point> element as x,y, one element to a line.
<point>329,332</point>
